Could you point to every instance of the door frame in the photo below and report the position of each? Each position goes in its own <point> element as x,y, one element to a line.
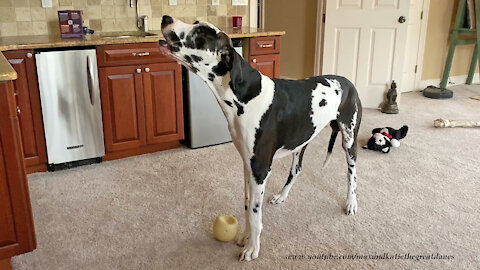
<point>320,35</point>
<point>318,62</point>
<point>254,13</point>
<point>421,45</point>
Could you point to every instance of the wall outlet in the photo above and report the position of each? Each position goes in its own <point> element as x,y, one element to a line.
<point>239,2</point>
<point>172,2</point>
<point>46,3</point>
<point>215,2</point>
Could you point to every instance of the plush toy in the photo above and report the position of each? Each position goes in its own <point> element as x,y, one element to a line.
<point>384,138</point>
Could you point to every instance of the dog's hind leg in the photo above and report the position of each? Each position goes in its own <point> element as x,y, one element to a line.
<point>333,136</point>
<point>349,131</point>
<point>294,172</point>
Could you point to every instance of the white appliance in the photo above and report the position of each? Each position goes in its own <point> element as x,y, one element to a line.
<point>70,98</point>
<point>205,123</point>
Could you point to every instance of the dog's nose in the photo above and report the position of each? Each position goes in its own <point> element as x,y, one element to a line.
<point>166,21</point>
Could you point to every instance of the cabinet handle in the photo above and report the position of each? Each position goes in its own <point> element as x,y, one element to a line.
<point>147,69</point>
<point>254,60</point>
<point>29,55</point>
<point>265,45</point>
<point>141,54</point>
<point>139,70</point>
<point>18,110</point>
<point>15,92</point>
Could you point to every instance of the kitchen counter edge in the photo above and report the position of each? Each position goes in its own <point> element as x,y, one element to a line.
<point>7,73</point>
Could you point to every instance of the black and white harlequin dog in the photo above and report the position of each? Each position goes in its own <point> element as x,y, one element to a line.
<point>267,118</point>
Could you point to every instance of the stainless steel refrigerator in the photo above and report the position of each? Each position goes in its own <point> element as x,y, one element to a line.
<point>71,108</point>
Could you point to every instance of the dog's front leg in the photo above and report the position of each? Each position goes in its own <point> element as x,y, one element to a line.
<point>257,190</point>
<point>242,238</point>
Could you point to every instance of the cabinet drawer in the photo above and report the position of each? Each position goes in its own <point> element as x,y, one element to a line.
<point>128,54</point>
<point>264,45</point>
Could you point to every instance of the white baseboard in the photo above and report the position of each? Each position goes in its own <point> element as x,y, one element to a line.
<point>457,80</point>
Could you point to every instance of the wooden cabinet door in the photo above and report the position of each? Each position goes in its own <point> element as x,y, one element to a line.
<point>30,112</point>
<point>268,65</point>
<point>163,102</point>
<point>17,234</point>
<point>7,225</point>
<point>122,107</point>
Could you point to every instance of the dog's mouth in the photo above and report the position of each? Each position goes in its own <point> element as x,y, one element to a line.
<point>168,49</point>
<point>164,47</point>
<point>168,46</point>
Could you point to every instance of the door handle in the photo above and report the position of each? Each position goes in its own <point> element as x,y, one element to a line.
<point>18,110</point>
<point>254,60</point>
<point>90,79</point>
<point>147,69</point>
<point>29,55</point>
<point>139,70</point>
<point>402,19</point>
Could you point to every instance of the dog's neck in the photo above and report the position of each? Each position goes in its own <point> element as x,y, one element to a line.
<point>241,82</point>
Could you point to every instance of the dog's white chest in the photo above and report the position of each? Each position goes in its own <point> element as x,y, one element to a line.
<point>244,127</point>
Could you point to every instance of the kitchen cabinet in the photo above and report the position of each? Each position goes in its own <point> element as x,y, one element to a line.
<point>268,65</point>
<point>264,55</point>
<point>29,111</point>
<point>142,104</point>
<point>121,94</point>
<point>163,102</point>
<point>17,233</point>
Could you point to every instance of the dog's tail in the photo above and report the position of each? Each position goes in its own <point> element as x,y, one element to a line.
<point>334,126</point>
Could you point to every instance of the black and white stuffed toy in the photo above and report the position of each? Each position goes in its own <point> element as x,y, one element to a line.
<point>385,138</point>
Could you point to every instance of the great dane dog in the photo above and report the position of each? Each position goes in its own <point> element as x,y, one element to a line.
<point>267,118</point>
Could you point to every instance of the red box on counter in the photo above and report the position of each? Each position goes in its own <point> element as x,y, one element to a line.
<point>70,22</point>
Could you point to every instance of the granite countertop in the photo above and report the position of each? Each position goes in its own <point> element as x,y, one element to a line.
<point>40,42</point>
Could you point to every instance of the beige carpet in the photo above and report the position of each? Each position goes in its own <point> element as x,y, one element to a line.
<point>156,211</point>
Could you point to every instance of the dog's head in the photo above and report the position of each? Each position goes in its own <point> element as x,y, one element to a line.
<point>201,47</point>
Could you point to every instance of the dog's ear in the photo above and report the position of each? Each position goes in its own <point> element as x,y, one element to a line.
<point>232,61</point>
<point>236,73</point>
<point>376,130</point>
<point>226,56</point>
<point>226,52</point>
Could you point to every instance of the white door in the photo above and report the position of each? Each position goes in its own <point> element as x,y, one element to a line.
<point>365,42</point>
<point>413,47</point>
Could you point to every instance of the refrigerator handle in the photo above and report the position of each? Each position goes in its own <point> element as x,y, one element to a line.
<point>90,80</point>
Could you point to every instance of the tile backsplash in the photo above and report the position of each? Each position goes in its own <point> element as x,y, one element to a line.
<point>27,17</point>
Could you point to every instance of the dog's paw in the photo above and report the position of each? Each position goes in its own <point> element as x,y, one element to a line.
<point>278,198</point>
<point>351,206</point>
<point>249,253</point>
<point>241,239</point>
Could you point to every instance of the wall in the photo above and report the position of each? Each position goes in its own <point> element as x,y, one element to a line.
<point>27,17</point>
<point>440,20</point>
<point>298,19</point>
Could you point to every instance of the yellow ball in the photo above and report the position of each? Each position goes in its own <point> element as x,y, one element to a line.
<point>225,228</point>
